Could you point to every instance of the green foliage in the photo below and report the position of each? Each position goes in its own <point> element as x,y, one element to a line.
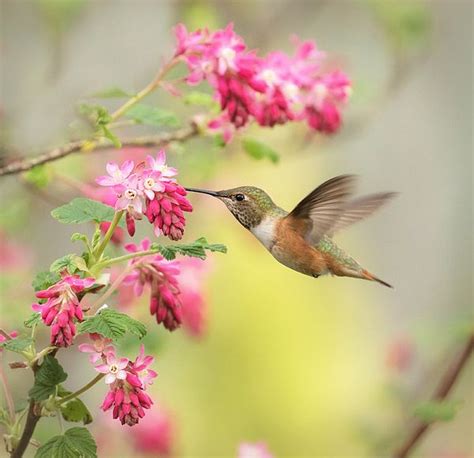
<point>111,92</point>
<point>39,176</point>
<point>259,150</point>
<point>200,99</point>
<point>196,249</point>
<point>71,262</point>
<point>112,324</point>
<point>153,116</point>
<point>97,114</point>
<point>17,345</point>
<point>432,411</point>
<point>34,319</point>
<point>83,210</point>
<point>49,374</point>
<point>44,280</point>
<point>74,410</point>
<point>107,133</point>
<point>407,23</point>
<point>74,443</point>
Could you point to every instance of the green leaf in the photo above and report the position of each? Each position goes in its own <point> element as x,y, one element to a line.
<point>153,116</point>
<point>71,262</point>
<point>39,176</point>
<point>17,344</point>
<point>200,98</point>
<point>35,318</point>
<point>196,249</point>
<point>74,443</point>
<point>44,280</point>
<point>259,150</point>
<point>74,410</point>
<point>112,324</point>
<point>111,92</point>
<point>49,374</point>
<point>98,114</point>
<point>432,411</point>
<point>107,133</point>
<point>82,210</point>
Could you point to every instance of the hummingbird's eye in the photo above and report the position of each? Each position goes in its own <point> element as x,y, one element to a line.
<point>239,197</point>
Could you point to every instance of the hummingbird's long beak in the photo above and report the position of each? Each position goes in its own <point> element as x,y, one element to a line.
<point>203,191</point>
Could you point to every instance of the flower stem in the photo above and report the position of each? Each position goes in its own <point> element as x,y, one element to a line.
<point>145,91</point>
<point>8,395</point>
<point>108,235</point>
<point>81,390</point>
<point>125,257</point>
<point>42,353</point>
<point>100,300</point>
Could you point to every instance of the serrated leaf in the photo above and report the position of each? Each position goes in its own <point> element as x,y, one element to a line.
<point>432,411</point>
<point>39,176</point>
<point>112,324</point>
<point>111,92</point>
<point>44,280</point>
<point>153,116</point>
<point>17,344</point>
<point>75,410</point>
<point>74,443</point>
<point>197,249</point>
<point>64,263</point>
<point>49,374</point>
<point>259,150</point>
<point>35,318</point>
<point>83,210</point>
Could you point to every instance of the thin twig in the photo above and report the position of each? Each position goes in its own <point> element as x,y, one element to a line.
<point>447,382</point>
<point>25,164</point>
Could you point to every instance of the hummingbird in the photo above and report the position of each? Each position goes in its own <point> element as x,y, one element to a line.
<point>302,239</point>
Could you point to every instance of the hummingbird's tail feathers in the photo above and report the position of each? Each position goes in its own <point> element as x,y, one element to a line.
<point>368,276</point>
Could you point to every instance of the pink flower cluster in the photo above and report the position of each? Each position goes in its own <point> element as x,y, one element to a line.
<point>127,380</point>
<point>149,189</point>
<point>62,307</point>
<point>162,278</point>
<point>12,335</point>
<point>272,89</point>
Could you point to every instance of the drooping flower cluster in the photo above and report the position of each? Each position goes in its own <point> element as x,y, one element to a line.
<point>127,380</point>
<point>272,89</point>
<point>62,307</point>
<point>162,278</point>
<point>149,189</point>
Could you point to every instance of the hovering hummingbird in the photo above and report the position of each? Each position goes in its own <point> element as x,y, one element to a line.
<point>302,238</point>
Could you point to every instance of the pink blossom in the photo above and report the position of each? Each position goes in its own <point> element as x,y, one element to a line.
<point>130,196</point>
<point>99,347</point>
<point>161,276</point>
<point>13,255</point>
<point>400,354</point>
<point>255,450</point>
<point>117,175</point>
<point>159,164</point>
<point>113,368</point>
<point>127,395</point>
<point>154,435</point>
<point>62,307</point>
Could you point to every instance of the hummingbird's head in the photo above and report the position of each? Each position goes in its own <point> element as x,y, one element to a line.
<point>247,203</point>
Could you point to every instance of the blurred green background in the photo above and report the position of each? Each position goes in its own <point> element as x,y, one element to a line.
<point>298,363</point>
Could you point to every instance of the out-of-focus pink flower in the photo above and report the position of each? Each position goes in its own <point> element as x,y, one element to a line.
<point>273,89</point>
<point>255,450</point>
<point>150,190</point>
<point>12,254</point>
<point>154,435</point>
<point>127,391</point>
<point>400,354</point>
<point>162,278</point>
<point>191,278</point>
<point>62,307</point>
<point>99,347</point>
<point>3,338</point>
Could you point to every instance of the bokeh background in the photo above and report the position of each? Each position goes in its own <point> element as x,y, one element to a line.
<point>327,367</point>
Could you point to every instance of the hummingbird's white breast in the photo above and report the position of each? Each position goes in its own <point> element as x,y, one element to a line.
<point>265,232</point>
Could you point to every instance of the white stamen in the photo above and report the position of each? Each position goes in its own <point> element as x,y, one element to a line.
<point>130,194</point>
<point>149,183</point>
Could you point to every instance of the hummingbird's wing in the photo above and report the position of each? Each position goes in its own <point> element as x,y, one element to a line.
<point>359,209</point>
<point>322,207</point>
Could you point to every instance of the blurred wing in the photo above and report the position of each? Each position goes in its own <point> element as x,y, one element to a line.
<point>323,207</point>
<point>359,209</point>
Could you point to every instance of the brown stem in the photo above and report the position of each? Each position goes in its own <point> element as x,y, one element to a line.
<point>447,382</point>
<point>23,165</point>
